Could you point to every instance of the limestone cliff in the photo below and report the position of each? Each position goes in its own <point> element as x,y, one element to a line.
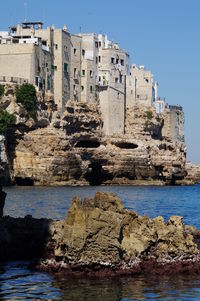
<point>70,148</point>
<point>193,173</point>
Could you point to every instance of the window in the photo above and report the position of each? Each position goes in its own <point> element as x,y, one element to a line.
<point>112,60</point>
<point>83,72</point>
<point>91,74</point>
<point>96,44</point>
<point>75,51</point>
<point>74,72</point>
<point>116,79</point>
<point>82,88</point>
<point>99,59</point>
<point>117,61</point>
<point>99,44</point>
<point>96,60</point>
<point>65,67</point>
<point>83,52</point>
<point>74,87</point>
<point>122,62</point>
<point>55,68</point>
<point>91,89</point>
<point>99,78</point>
<point>146,79</point>
<point>56,46</point>
<point>120,78</point>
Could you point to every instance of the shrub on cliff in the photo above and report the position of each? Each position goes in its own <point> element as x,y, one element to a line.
<point>6,119</point>
<point>26,95</point>
<point>149,115</point>
<point>1,90</point>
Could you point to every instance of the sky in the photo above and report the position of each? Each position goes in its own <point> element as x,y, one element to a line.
<point>163,35</point>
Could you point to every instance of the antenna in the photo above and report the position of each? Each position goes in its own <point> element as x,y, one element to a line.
<point>25,9</point>
<point>44,13</point>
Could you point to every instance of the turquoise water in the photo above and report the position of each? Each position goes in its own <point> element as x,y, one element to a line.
<point>17,282</point>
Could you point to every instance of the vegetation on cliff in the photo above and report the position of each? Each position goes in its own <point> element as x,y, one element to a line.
<point>1,90</point>
<point>6,119</point>
<point>26,95</point>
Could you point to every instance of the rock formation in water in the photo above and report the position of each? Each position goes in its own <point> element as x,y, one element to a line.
<point>71,148</point>
<point>101,237</point>
<point>193,173</point>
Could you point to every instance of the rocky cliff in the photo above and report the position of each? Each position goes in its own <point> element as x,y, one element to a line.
<point>70,148</point>
<point>193,173</point>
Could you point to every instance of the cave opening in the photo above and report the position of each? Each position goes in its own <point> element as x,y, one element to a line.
<point>94,174</point>
<point>19,181</point>
<point>87,144</point>
<point>126,145</point>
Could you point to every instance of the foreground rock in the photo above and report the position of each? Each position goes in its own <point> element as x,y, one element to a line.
<point>100,237</point>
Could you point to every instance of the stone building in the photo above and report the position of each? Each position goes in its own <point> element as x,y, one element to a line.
<point>41,56</point>
<point>141,88</point>
<point>86,67</point>
<point>24,58</point>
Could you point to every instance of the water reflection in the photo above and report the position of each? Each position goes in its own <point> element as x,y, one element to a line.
<point>139,288</point>
<point>17,282</point>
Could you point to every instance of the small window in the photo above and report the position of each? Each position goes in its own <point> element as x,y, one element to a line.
<point>74,87</point>
<point>116,79</point>
<point>82,88</point>
<point>99,44</point>
<point>83,52</point>
<point>56,46</point>
<point>122,62</point>
<point>91,89</point>
<point>91,74</point>
<point>147,80</point>
<point>96,60</point>
<point>75,51</point>
<point>96,44</point>
<point>112,60</point>
<point>83,72</point>
<point>120,78</point>
<point>99,59</point>
<point>99,78</point>
<point>117,61</point>
<point>74,72</point>
<point>55,68</point>
<point>65,67</point>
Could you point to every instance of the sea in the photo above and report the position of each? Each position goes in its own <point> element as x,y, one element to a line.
<point>17,282</point>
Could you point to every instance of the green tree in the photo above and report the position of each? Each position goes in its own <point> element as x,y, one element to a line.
<point>1,90</point>
<point>6,119</point>
<point>26,95</point>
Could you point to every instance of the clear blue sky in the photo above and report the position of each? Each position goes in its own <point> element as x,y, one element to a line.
<point>164,35</point>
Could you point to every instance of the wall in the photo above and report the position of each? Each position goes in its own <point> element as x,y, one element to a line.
<point>18,60</point>
<point>176,124</point>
